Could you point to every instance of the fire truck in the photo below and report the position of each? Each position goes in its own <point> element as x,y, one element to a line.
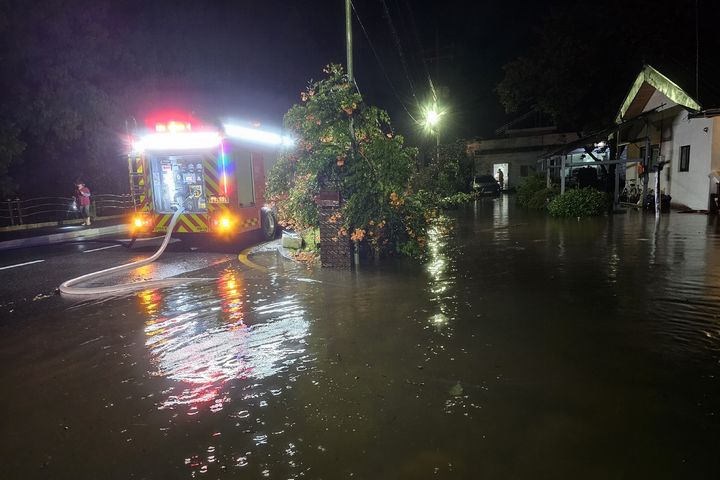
<point>217,173</point>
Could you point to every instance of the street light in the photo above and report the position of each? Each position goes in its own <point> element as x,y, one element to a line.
<point>432,123</point>
<point>432,118</point>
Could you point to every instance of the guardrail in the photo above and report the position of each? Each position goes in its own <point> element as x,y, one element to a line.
<point>49,209</point>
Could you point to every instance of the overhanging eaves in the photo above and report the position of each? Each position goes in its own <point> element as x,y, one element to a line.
<point>651,79</point>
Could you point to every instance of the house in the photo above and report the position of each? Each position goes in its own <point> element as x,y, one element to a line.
<point>658,124</point>
<point>516,147</point>
<point>669,125</point>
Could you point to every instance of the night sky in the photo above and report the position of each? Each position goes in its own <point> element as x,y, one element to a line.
<point>253,58</point>
<point>76,73</point>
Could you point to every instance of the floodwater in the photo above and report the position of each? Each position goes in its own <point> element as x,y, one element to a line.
<point>525,347</point>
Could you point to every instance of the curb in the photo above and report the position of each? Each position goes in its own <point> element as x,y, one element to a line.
<point>74,221</point>
<point>62,237</point>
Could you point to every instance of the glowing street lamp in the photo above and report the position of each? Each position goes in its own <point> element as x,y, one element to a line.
<point>432,123</point>
<point>432,118</point>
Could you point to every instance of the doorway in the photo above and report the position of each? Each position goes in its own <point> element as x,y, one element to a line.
<point>505,169</point>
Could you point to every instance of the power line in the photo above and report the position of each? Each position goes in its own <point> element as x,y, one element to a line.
<point>398,45</point>
<point>377,57</point>
<point>420,48</point>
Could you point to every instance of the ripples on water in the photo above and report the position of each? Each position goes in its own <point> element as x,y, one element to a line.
<point>605,292</point>
<point>217,345</point>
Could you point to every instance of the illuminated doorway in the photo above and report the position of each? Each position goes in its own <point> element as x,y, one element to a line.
<point>505,169</point>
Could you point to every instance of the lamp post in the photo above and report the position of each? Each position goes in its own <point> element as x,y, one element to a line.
<point>432,124</point>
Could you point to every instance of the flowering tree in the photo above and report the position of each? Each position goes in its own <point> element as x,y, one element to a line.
<point>370,167</point>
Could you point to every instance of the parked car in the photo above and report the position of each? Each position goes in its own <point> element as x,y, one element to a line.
<point>486,185</point>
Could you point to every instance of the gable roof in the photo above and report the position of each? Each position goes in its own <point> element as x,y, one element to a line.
<point>646,84</point>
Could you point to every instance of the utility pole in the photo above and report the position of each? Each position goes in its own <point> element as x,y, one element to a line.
<point>351,79</point>
<point>348,39</point>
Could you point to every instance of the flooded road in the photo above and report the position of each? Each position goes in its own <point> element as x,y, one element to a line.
<point>524,347</point>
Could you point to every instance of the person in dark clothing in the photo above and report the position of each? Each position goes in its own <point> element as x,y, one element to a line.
<point>82,197</point>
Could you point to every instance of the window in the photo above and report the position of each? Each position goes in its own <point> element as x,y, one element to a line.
<point>655,153</point>
<point>684,158</point>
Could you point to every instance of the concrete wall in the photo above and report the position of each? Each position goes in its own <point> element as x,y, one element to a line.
<point>692,188</point>
<point>517,151</point>
<point>484,165</point>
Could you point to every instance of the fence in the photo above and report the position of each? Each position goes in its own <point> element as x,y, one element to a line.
<point>54,209</point>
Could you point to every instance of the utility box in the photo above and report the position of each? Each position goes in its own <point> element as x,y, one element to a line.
<point>291,240</point>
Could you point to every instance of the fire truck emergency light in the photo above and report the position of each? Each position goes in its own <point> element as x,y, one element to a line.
<point>258,136</point>
<point>177,141</point>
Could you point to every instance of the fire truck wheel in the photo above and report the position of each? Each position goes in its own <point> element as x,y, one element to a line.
<point>268,224</point>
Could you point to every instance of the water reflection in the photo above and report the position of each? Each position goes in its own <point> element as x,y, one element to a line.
<point>203,336</point>
<point>441,267</point>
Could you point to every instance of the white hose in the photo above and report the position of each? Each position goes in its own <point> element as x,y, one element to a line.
<point>67,287</point>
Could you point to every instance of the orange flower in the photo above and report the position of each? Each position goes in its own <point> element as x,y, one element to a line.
<point>396,201</point>
<point>358,235</point>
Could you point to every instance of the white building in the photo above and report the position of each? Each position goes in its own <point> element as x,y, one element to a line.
<point>516,148</point>
<point>678,131</point>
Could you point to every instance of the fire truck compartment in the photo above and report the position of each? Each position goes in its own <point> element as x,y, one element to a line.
<point>177,179</point>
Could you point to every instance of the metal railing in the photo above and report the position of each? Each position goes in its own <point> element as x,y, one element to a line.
<point>17,211</point>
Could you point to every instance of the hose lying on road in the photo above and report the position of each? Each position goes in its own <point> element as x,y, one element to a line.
<point>68,288</point>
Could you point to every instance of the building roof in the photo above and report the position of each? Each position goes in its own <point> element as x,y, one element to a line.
<point>646,84</point>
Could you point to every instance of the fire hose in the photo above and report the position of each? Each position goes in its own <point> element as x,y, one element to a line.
<point>68,287</point>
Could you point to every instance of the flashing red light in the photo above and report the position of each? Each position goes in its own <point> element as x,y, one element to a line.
<point>166,117</point>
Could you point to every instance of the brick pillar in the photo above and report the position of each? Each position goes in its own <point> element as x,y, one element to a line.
<point>335,250</point>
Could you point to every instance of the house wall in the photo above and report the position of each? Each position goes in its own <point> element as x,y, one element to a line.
<point>715,155</point>
<point>484,164</point>
<point>692,188</point>
<point>516,151</point>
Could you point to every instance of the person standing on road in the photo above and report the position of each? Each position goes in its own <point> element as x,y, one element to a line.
<point>82,197</point>
<point>501,178</point>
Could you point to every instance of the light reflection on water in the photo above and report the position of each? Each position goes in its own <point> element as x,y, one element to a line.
<point>525,347</point>
<point>203,337</point>
<point>442,269</point>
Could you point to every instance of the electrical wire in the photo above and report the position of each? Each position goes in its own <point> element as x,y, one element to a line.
<point>420,47</point>
<point>398,45</point>
<point>382,67</point>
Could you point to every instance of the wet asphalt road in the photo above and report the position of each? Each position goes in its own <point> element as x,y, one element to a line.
<point>28,275</point>
<point>522,348</point>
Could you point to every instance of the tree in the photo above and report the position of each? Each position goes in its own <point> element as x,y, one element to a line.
<point>371,169</point>
<point>445,172</point>
<point>63,64</point>
<point>585,58</point>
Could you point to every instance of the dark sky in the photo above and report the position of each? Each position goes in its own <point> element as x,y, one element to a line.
<point>253,58</point>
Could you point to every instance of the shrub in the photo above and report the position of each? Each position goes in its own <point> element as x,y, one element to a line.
<point>529,187</point>
<point>371,168</point>
<point>454,201</point>
<point>541,198</point>
<point>580,202</point>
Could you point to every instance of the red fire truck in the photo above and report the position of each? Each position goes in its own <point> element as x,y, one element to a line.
<point>216,173</point>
